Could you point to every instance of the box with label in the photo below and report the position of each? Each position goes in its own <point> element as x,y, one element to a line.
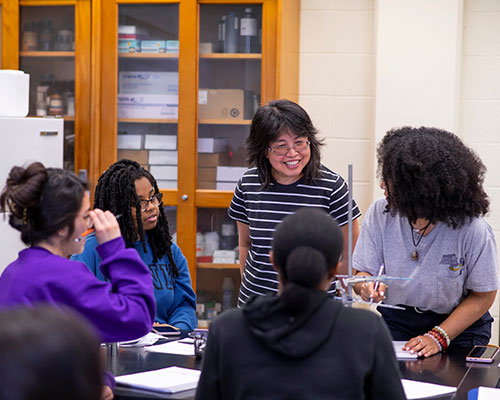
<point>124,30</point>
<point>160,142</point>
<point>153,46</point>
<point>148,106</point>
<point>148,82</point>
<point>141,156</point>
<point>230,174</point>
<point>226,186</point>
<point>133,142</point>
<point>129,46</point>
<point>211,145</point>
<point>220,104</point>
<point>164,172</point>
<point>172,46</point>
<point>212,159</point>
<point>166,157</point>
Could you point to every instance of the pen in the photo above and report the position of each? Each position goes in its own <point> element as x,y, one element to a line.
<point>381,269</point>
<point>89,231</point>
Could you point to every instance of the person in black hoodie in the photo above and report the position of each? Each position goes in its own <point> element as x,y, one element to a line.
<point>301,344</point>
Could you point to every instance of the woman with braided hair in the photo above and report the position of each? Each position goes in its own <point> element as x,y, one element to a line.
<point>129,190</point>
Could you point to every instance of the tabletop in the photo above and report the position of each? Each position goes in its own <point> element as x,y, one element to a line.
<point>448,369</point>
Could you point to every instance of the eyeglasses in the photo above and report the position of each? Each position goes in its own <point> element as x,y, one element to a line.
<point>155,200</point>
<point>283,149</point>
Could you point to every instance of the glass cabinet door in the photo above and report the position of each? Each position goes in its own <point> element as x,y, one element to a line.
<point>47,53</point>
<point>229,90</point>
<point>148,88</point>
<point>1,29</point>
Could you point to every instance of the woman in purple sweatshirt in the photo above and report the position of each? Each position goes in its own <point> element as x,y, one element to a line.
<point>50,208</point>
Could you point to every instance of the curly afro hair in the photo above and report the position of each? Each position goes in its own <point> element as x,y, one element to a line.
<point>115,191</point>
<point>429,173</point>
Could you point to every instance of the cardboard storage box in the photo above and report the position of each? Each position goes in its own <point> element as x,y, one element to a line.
<point>166,184</point>
<point>220,104</point>
<point>164,172</point>
<point>148,106</point>
<point>129,46</point>
<point>226,186</point>
<point>206,185</point>
<point>207,174</point>
<point>230,174</point>
<point>212,159</point>
<point>148,82</point>
<point>211,145</point>
<point>141,156</point>
<point>133,142</point>
<point>153,46</point>
<point>167,157</point>
<point>160,142</point>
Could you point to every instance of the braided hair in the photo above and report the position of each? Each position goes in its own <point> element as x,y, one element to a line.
<point>115,191</point>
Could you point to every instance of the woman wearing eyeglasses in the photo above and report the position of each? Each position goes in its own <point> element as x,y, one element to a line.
<point>128,189</point>
<point>284,149</point>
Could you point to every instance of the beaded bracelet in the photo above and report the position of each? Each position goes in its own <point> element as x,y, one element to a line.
<point>435,340</point>
<point>443,333</point>
<point>440,338</point>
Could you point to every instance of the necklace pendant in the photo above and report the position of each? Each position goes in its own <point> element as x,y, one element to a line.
<point>414,255</point>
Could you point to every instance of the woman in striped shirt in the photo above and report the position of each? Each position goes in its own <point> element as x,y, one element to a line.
<point>287,175</point>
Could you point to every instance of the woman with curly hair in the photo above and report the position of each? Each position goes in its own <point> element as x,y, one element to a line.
<point>430,229</point>
<point>131,191</point>
<point>286,174</point>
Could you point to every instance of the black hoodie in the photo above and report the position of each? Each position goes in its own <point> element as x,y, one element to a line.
<point>326,352</point>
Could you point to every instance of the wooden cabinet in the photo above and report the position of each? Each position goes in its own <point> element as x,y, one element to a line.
<point>204,88</point>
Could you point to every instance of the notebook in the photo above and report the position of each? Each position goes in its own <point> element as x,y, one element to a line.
<point>165,380</point>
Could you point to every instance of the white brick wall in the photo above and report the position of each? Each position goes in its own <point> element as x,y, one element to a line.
<point>337,88</point>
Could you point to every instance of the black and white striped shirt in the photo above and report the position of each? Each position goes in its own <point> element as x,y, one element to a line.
<point>263,210</point>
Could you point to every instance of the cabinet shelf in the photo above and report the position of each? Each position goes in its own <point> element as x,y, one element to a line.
<point>148,55</point>
<point>218,266</point>
<point>147,120</point>
<point>232,56</point>
<point>225,122</point>
<point>62,54</point>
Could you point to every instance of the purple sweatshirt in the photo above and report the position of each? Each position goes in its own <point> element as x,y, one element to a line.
<point>122,309</point>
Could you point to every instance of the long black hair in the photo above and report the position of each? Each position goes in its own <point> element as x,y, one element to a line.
<point>269,122</point>
<point>430,173</point>
<point>41,201</point>
<point>115,191</point>
<point>306,246</point>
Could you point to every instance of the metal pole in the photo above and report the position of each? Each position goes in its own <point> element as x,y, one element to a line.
<point>349,231</point>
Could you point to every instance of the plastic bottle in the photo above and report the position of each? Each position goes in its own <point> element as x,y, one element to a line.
<point>248,32</point>
<point>231,34</point>
<point>227,293</point>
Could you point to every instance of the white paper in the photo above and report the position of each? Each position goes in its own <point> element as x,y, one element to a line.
<point>168,380</point>
<point>487,393</point>
<point>422,390</point>
<point>400,353</point>
<point>174,347</point>
<point>147,340</point>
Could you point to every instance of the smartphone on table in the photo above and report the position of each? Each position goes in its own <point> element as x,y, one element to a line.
<point>483,354</point>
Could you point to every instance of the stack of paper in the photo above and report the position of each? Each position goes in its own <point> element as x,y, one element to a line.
<point>183,347</point>
<point>483,393</point>
<point>166,380</point>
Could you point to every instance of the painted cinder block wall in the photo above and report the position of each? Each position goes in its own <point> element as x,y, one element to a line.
<point>340,73</point>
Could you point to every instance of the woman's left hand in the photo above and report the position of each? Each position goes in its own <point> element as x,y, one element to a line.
<point>424,346</point>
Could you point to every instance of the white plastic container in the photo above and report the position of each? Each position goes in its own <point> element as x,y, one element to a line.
<point>14,96</point>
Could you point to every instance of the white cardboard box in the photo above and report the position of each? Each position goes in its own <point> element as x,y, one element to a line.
<point>164,172</point>
<point>148,106</point>
<point>160,142</point>
<point>230,174</point>
<point>226,186</point>
<point>212,145</point>
<point>166,184</point>
<point>131,142</point>
<point>166,157</point>
<point>148,82</point>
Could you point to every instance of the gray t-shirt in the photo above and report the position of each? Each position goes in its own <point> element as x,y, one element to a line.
<point>451,262</point>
